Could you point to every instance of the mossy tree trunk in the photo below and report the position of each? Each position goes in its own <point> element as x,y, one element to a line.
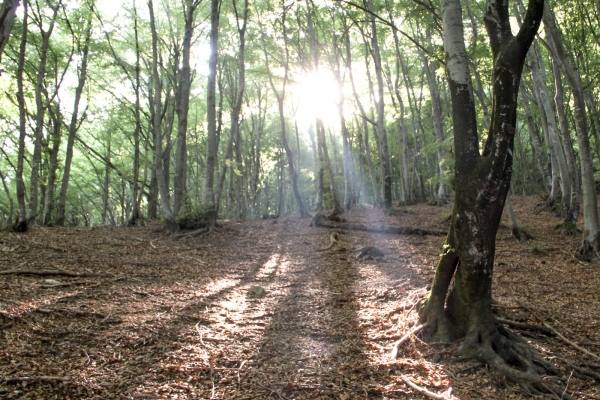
<point>459,304</point>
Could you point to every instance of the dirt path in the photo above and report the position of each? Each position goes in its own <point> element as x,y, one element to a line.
<point>174,319</point>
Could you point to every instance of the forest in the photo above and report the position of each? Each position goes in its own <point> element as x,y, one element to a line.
<point>200,133</point>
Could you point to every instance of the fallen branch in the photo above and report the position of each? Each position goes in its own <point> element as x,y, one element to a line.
<point>35,379</point>
<point>334,239</point>
<point>47,272</point>
<point>582,371</point>
<point>572,344</point>
<point>64,284</point>
<point>188,235</point>
<point>322,221</point>
<point>422,390</point>
<point>413,331</point>
<point>522,325</point>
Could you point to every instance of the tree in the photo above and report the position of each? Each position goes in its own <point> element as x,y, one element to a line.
<point>482,181</point>
<point>75,123</point>
<point>21,224</point>
<point>591,236</point>
<point>171,225</point>
<point>7,19</point>
<point>208,196</point>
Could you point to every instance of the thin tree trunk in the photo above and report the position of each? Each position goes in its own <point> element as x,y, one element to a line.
<point>73,126</point>
<point>208,196</point>
<point>52,166</point>
<point>571,217</point>
<point>183,94</point>
<point>21,224</point>
<point>535,138</point>
<point>7,19</point>
<point>171,224</point>
<point>135,189</point>
<point>40,113</point>
<point>386,170</point>
<point>280,95</point>
<point>566,183</point>
<point>591,236</point>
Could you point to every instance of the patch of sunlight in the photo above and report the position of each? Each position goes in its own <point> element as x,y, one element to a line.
<point>219,285</point>
<point>269,268</point>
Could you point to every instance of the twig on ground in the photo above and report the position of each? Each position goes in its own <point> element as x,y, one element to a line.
<point>35,379</point>
<point>572,344</point>
<point>64,284</point>
<point>333,240</point>
<point>46,272</point>
<point>415,330</point>
<point>522,325</point>
<point>422,390</point>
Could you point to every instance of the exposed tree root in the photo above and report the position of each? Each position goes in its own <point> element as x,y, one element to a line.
<point>587,253</point>
<point>322,221</point>
<point>424,391</point>
<point>199,232</point>
<point>20,226</point>
<point>413,331</point>
<point>511,356</point>
<point>334,237</point>
<point>520,234</point>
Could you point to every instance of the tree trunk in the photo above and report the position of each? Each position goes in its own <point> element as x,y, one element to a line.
<point>208,196</point>
<point>171,224</point>
<point>74,126</point>
<point>183,106</point>
<point>21,223</point>
<point>436,113</point>
<point>7,19</point>
<point>536,142</point>
<point>40,113</point>
<point>481,184</point>
<point>280,96</point>
<point>591,235</point>
<point>52,166</point>
<point>571,217</point>
<point>386,170</point>
<point>566,184</point>
<point>135,189</point>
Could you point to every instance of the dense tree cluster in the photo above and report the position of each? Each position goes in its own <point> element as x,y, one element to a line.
<point>173,108</point>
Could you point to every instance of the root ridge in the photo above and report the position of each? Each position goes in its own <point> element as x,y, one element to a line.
<point>511,356</point>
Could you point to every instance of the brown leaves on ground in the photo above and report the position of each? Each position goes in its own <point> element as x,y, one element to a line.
<point>156,318</point>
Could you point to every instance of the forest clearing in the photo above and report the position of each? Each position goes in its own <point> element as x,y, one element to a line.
<point>149,317</point>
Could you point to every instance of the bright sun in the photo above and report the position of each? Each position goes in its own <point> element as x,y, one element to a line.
<point>316,95</point>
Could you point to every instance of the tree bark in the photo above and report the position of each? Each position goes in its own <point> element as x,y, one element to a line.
<point>536,143</point>
<point>7,19</point>
<point>56,117</point>
<point>21,223</point>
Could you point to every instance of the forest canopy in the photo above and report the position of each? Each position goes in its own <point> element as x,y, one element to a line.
<point>114,111</point>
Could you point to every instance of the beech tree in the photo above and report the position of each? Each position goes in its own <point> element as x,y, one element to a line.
<point>7,19</point>
<point>482,181</point>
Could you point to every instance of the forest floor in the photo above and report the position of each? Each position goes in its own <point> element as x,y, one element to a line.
<point>149,317</point>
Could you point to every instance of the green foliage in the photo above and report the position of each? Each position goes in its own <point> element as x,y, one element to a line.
<point>193,216</point>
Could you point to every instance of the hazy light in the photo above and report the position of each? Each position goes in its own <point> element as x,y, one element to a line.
<point>317,95</point>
